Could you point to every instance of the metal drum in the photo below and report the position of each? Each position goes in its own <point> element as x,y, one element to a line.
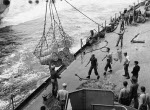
<point>61,54</point>
<point>54,56</point>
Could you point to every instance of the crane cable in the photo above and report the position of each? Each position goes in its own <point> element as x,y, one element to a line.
<point>84,14</point>
<point>45,21</point>
<point>53,21</point>
<point>39,45</point>
<point>44,29</point>
<point>63,34</point>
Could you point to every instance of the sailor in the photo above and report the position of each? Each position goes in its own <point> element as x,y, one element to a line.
<point>94,66</point>
<point>126,17</point>
<point>126,65</point>
<point>120,39</point>
<point>136,69</point>
<point>131,14</point>
<point>109,61</point>
<point>54,80</point>
<point>62,96</point>
<point>90,39</point>
<point>112,24</point>
<point>144,99</point>
<point>133,92</point>
<point>124,96</point>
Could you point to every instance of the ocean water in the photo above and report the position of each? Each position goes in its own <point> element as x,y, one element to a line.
<point>20,31</point>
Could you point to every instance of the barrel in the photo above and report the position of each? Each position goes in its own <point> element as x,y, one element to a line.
<point>48,51</point>
<point>66,50</point>
<point>61,54</point>
<point>67,60</point>
<point>67,43</point>
<point>57,63</point>
<point>46,59</point>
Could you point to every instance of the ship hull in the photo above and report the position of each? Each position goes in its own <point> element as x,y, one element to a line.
<point>4,8</point>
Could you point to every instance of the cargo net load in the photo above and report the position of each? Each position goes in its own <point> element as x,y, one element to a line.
<point>54,46</point>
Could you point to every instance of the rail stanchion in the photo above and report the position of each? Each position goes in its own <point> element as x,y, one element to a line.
<point>133,13</point>
<point>81,52</point>
<point>110,18</point>
<point>12,101</point>
<point>105,26</point>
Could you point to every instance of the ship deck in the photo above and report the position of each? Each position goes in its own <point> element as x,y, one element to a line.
<point>136,51</point>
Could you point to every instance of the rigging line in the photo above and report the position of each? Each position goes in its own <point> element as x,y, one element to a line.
<point>58,20</point>
<point>45,18</point>
<point>57,13</point>
<point>55,23</point>
<point>84,14</point>
<point>52,13</point>
<point>52,19</point>
<point>41,40</point>
<point>60,25</point>
<point>50,9</point>
<point>44,29</point>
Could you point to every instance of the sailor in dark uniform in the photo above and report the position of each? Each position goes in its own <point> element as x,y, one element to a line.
<point>94,65</point>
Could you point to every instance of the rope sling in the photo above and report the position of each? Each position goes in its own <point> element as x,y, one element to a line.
<point>54,45</point>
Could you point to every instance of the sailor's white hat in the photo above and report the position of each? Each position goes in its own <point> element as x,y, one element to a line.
<point>64,84</point>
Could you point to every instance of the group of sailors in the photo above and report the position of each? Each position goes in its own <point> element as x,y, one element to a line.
<point>131,16</point>
<point>62,95</point>
<point>125,96</point>
<point>140,101</point>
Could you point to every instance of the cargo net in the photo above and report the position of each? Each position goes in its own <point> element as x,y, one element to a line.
<point>54,46</point>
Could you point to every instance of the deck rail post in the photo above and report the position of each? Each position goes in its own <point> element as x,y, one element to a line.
<point>12,101</point>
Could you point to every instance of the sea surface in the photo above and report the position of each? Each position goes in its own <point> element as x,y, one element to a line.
<point>20,31</point>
